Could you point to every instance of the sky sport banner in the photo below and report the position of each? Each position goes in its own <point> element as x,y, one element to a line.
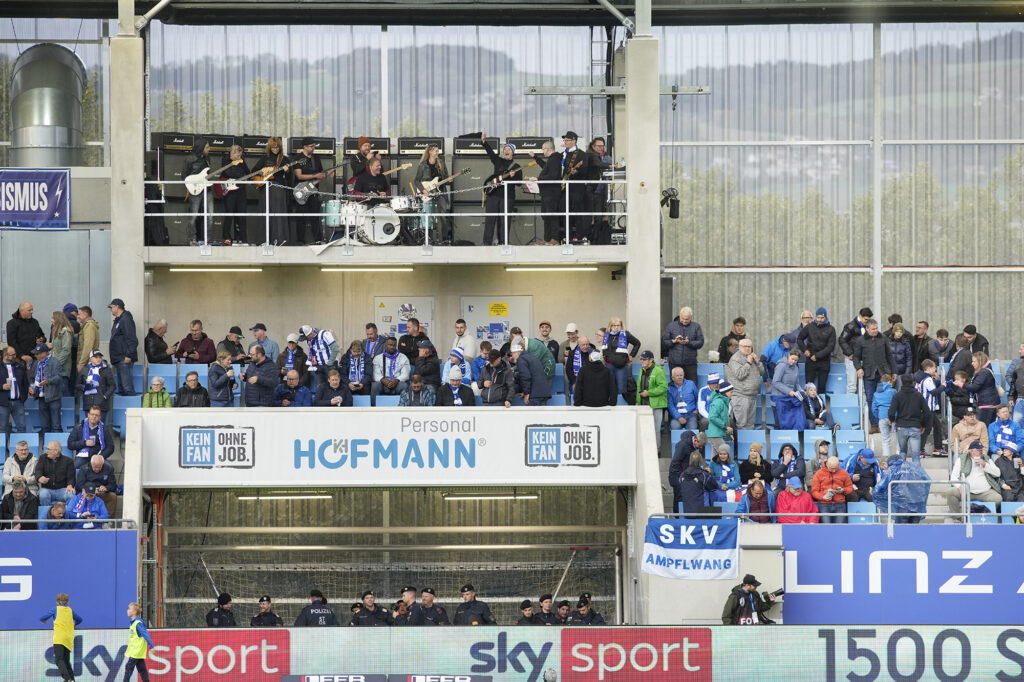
<point>692,550</point>
<point>35,198</point>
<point>388,447</point>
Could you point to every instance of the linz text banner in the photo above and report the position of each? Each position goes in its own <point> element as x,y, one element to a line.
<point>35,198</point>
<point>692,549</point>
<point>387,447</point>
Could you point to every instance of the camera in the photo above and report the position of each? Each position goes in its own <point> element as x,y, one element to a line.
<point>765,596</point>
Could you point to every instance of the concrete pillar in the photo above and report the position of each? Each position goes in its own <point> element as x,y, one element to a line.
<point>127,163</point>
<point>643,162</point>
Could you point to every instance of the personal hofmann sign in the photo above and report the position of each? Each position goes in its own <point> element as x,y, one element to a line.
<point>387,447</point>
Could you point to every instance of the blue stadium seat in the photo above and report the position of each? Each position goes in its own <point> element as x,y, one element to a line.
<point>202,370</point>
<point>32,422</point>
<point>728,507</point>
<point>138,378</point>
<point>780,437</point>
<point>68,416</point>
<point>31,438</point>
<point>559,370</point>
<point>708,452</point>
<point>169,374</point>
<point>836,380</point>
<point>844,450</point>
<point>43,511</point>
<point>517,401</point>
<point>387,401</point>
<point>744,439</point>
<point>620,400</point>
<point>845,410</point>
<point>61,438</point>
<point>865,512</point>
<point>479,401</point>
<point>707,368</point>
<point>360,401</point>
<point>674,438</point>
<point>985,518</point>
<point>118,417</point>
<point>1009,510</point>
<point>811,435</point>
<point>850,436</point>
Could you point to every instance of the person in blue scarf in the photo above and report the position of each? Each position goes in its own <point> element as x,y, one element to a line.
<point>816,342</point>
<point>726,473</point>
<point>457,359</point>
<point>356,367</point>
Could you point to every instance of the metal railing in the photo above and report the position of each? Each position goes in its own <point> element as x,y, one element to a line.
<point>77,524</point>
<point>356,209</point>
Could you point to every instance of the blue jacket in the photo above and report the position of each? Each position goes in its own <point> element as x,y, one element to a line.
<point>477,365</point>
<point>911,498</point>
<point>743,507</point>
<point>302,397</point>
<point>882,400</point>
<point>773,351</point>
<point>983,385</point>
<point>851,464</point>
<point>53,376</point>
<point>901,355</point>
<point>785,378</point>
<point>686,394</point>
<point>261,394</point>
<point>1000,433</point>
<point>80,505</point>
<point>530,375</point>
<point>716,469</point>
<point>124,343</point>
<point>220,384</point>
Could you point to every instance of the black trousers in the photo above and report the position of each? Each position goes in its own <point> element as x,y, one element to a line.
<point>579,203</point>
<point>817,373</point>
<point>551,202</point>
<point>495,203</point>
<point>62,657</point>
<point>307,228</point>
<point>234,226</point>
<point>136,663</point>
<point>600,229</point>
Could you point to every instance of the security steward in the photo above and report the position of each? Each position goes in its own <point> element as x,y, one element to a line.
<point>316,613</point>
<point>585,614</point>
<point>528,617</point>
<point>745,606</point>
<point>546,615</point>
<point>371,615</point>
<point>432,613</point>
<point>414,611</point>
<point>221,616</point>
<point>265,618</point>
<point>471,611</point>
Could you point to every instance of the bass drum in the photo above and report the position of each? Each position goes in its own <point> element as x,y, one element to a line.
<point>378,226</point>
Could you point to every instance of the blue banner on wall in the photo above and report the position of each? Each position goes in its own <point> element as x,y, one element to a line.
<point>35,198</point>
<point>925,575</point>
<point>692,550</point>
<point>98,569</point>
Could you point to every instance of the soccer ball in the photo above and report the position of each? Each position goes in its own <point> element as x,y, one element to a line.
<point>550,675</point>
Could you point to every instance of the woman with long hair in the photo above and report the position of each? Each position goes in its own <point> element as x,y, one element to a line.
<point>62,338</point>
<point>274,158</point>
<point>432,167</point>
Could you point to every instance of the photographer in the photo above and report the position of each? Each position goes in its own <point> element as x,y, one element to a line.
<point>746,607</point>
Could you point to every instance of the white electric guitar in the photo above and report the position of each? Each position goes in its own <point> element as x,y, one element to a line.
<point>203,180</point>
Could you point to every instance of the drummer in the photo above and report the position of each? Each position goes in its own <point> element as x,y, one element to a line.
<point>372,184</point>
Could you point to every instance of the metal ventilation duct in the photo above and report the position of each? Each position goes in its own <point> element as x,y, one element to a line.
<point>47,84</point>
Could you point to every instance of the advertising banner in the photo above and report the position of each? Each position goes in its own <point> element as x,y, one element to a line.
<point>535,654</point>
<point>924,575</point>
<point>96,568</point>
<point>383,446</point>
<point>35,198</point>
<point>692,550</point>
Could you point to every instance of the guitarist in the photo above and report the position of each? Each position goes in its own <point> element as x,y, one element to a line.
<point>576,166</point>
<point>311,170</point>
<point>551,195</point>
<point>504,168</point>
<point>197,160</point>
<point>234,201</point>
<point>431,167</point>
<point>275,158</point>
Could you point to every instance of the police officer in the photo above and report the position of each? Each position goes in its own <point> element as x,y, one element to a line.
<point>528,617</point>
<point>563,612</point>
<point>585,614</point>
<point>414,612</point>
<point>316,613</point>
<point>265,618</point>
<point>220,616</point>
<point>546,615</point>
<point>471,611</point>
<point>371,615</point>
<point>432,613</point>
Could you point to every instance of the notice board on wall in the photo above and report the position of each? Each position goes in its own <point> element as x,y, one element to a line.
<point>489,318</point>
<point>392,312</point>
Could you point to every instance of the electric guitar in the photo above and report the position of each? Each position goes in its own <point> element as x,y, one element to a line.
<point>570,171</point>
<point>201,181</point>
<point>227,185</point>
<point>434,184</point>
<point>496,181</point>
<point>304,190</point>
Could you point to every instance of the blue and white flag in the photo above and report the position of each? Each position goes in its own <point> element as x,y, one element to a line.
<point>35,199</point>
<point>692,549</point>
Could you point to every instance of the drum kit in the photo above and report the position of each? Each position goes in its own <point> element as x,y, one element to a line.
<point>377,225</point>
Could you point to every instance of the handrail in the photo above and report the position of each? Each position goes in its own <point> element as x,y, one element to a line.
<point>127,524</point>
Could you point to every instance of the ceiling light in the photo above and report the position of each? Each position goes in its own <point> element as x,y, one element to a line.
<point>407,268</point>
<point>250,498</point>
<point>215,269</point>
<point>497,496</point>
<point>566,268</point>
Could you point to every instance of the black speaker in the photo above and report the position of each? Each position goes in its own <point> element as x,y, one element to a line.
<point>173,150</point>
<point>254,148</point>
<point>410,150</point>
<point>470,153</point>
<point>324,149</point>
<point>526,147</point>
<point>381,145</point>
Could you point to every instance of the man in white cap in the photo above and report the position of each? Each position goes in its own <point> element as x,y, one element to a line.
<point>454,393</point>
<point>704,399</point>
<point>323,352</point>
<point>572,332</point>
<point>533,383</point>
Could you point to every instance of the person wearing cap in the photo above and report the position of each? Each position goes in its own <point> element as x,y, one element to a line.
<point>363,155</point>
<point>457,359</point>
<point>265,617</point>
<point>95,384</point>
<point>100,474</point>
<point>413,613</point>
<point>793,500</point>
<point>1011,483</point>
<point>744,605</point>
<point>544,336</point>
<point>1003,432</point>
<point>745,372</point>
<point>966,431</point>
<point>562,614</point>
<point>594,384</point>
<point>472,611</point>
<point>293,394</point>
<point>576,166</point>
<point>533,383</point>
<point>391,371</point>
<point>433,614</point>
<point>585,614</point>
<point>577,358</point>
<point>704,395</point>
<point>372,615</point>
<point>552,197</point>
<point>13,391</point>
<point>91,437</point>
<point>46,384</point>
<point>356,368</point>
<point>755,467</point>
<point>259,332</point>
<point>496,382</point>
<point>528,617</point>
<point>24,332</point>
<point>726,473</point>
<point>260,378</point>
<point>816,341</point>
<point>979,474</point>
<point>292,357</point>
<point>86,505</point>
<point>232,343</point>
<point>830,488</point>
<point>862,466</point>
<point>316,613</point>
<point>408,344</point>
<point>572,333</point>
<point>652,388</point>
<point>221,615</point>
<point>498,198</point>
<point>718,414</point>
<point>310,169</point>
<point>546,615</point>
<point>157,350</point>
<point>20,504</point>
<point>681,401</point>
<point>123,346</point>
<point>455,393</point>
<point>427,364</point>
<point>323,352</point>
<point>197,347</point>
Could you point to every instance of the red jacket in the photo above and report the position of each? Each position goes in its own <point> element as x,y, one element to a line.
<point>207,351</point>
<point>802,503</point>
<point>825,479</point>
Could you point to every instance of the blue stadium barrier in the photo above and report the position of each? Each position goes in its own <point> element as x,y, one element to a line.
<point>1009,510</point>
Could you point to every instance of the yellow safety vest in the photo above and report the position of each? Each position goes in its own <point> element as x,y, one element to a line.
<point>137,647</point>
<point>64,627</point>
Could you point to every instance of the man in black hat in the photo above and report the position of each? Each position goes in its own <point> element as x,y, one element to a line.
<point>576,166</point>
<point>528,617</point>
<point>563,612</point>
<point>232,344</point>
<point>265,618</point>
<point>371,615</point>
<point>310,170</point>
<point>585,613</point>
<point>432,613</point>
<point>414,612</point>
<point>546,615</point>
<point>471,611</point>
<point>46,386</point>
<point>221,616</point>
<point>124,346</point>
<point>316,613</point>
<point>744,605</point>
